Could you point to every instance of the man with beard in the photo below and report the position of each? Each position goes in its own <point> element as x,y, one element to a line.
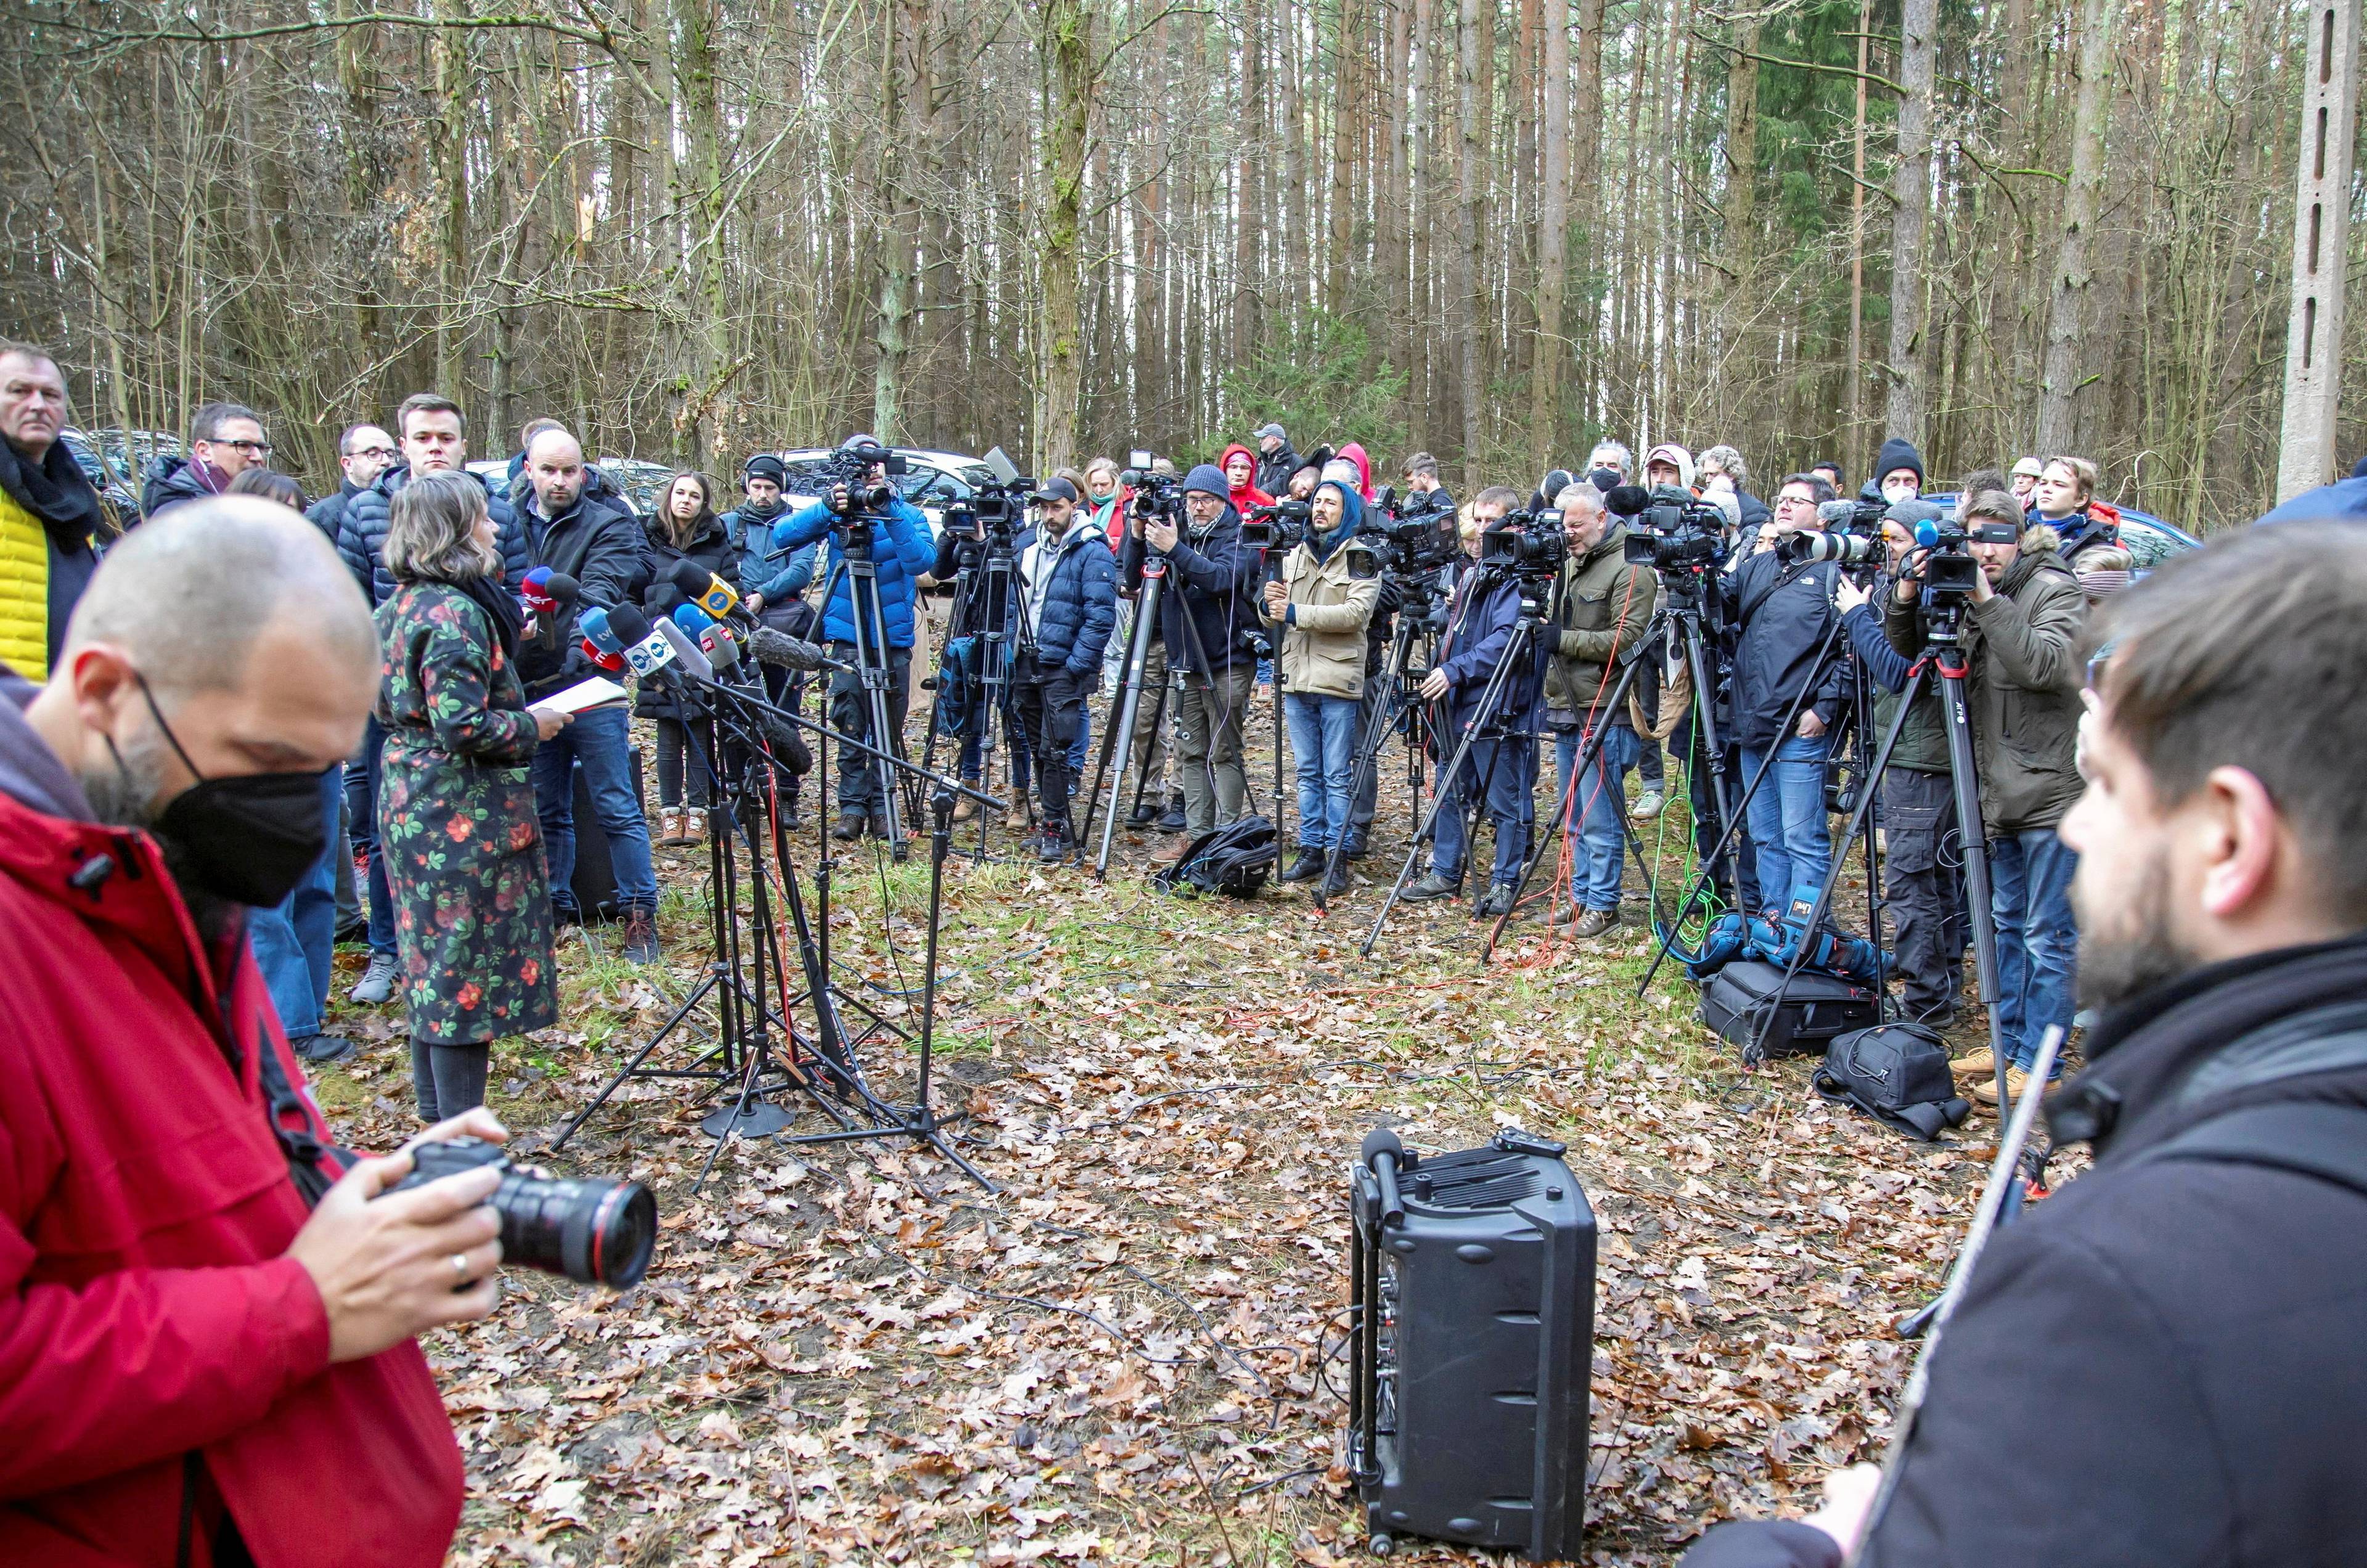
<point>2157,1367</point>
<point>205,1323</point>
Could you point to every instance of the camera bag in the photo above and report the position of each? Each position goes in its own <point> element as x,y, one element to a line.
<point>1896,1072</point>
<point>1809,1014</point>
<point>1234,858</point>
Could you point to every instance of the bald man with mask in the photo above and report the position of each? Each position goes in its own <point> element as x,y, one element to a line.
<point>206,1324</point>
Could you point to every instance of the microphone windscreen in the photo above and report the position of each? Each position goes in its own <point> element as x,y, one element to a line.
<point>690,576</point>
<point>722,649</point>
<point>628,625</point>
<point>692,619</point>
<point>663,599</point>
<point>1627,501</point>
<point>598,631</point>
<point>766,646</point>
<point>540,578</point>
<point>560,586</point>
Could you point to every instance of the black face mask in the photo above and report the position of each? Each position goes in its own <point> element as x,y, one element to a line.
<point>251,839</point>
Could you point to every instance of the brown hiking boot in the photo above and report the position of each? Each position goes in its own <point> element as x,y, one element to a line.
<point>1175,850</point>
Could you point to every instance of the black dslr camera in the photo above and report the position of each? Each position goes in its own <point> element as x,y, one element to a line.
<point>1156,495</point>
<point>595,1232</point>
<point>1863,516</point>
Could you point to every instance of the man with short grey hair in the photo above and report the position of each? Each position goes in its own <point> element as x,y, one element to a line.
<point>363,452</point>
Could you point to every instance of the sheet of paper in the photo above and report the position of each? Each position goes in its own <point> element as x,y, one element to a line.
<point>585,695</point>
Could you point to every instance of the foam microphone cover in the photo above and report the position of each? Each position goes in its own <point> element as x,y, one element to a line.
<point>560,586</point>
<point>722,649</point>
<point>692,578</point>
<point>663,599</point>
<point>1627,501</point>
<point>599,628</point>
<point>628,625</point>
<point>691,618</point>
<point>766,646</point>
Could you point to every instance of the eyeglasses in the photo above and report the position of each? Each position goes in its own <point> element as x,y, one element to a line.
<point>383,454</point>
<point>252,448</point>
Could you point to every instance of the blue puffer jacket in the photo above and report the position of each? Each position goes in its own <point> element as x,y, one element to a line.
<point>1079,602</point>
<point>902,549</point>
<point>779,575</point>
<point>362,534</point>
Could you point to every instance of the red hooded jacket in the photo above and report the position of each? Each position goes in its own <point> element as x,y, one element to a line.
<point>147,1310</point>
<point>1248,495</point>
<point>1354,453</point>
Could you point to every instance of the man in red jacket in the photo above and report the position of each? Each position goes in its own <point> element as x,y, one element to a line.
<point>198,1364</point>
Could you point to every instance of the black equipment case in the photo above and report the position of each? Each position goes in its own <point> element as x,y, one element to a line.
<point>1813,1008</point>
<point>1471,1303</point>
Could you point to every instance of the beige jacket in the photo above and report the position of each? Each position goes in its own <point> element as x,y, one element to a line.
<point>1330,604</point>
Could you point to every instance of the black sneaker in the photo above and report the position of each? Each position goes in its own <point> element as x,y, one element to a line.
<point>1057,843</point>
<point>1354,849</point>
<point>1497,900</point>
<point>641,936</point>
<point>1305,866</point>
<point>321,1050</point>
<point>1433,885</point>
<point>1174,820</point>
<point>1144,815</point>
<point>1337,881</point>
<point>849,828</point>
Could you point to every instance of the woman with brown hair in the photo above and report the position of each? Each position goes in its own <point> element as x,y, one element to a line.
<point>462,842</point>
<point>685,527</point>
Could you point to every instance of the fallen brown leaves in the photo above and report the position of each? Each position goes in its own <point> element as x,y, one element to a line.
<point>1132,1354</point>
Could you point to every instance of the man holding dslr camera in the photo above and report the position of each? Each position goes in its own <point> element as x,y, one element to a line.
<point>1068,583</point>
<point>901,551</point>
<point>2157,1367</point>
<point>196,1359</point>
<point>2021,633</point>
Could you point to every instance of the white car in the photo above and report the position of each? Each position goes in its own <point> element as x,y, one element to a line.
<point>933,480</point>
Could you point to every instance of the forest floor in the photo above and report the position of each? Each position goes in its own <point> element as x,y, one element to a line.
<point>1133,1352</point>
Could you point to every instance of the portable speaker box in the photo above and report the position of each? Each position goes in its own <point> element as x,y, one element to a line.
<point>1812,1011</point>
<point>1472,1349</point>
<point>594,880</point>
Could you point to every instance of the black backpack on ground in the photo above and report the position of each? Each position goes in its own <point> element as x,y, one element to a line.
<point>1235,858</point>
<point>1896,1072</point>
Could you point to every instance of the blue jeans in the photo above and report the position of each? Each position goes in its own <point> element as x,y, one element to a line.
<point>1594,820</point>
<point>1323,740</point>
<point>364,809</point>
<point>600,742</point>
<point>1509,768</point>
<point>2037,940</point>
<point>1790,836</point>
<point>295,941</point>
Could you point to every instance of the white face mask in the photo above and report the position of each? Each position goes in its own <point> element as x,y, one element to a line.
<point>1898,490</point>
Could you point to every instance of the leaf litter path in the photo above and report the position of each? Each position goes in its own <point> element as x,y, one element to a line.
<point>1133,1354</point>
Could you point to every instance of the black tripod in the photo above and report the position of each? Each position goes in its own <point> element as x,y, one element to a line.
<point>1665,624</point>
<point>1396,696</point>
<point>982,590</point>
<point>1119,739</point>
<point>862,577</point>
<point>1946,657</point>
<point>1516,664</point>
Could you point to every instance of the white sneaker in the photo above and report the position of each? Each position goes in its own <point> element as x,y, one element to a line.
<point>1648,805</point>
<point>377,983</point>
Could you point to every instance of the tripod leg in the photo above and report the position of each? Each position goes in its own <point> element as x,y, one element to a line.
<point>1588,753</point>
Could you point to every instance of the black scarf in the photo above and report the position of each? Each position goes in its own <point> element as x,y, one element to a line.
<point>55,491</point>
<point>500,606</point>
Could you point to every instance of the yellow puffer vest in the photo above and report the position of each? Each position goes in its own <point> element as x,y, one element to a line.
<point>23,592</point>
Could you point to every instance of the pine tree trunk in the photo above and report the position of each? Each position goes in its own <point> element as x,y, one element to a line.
<point>1552,233</point>
<point>1068,42</point>
<point>1468,249</point>
<point>1912,188</point>
<point>2065,361</point>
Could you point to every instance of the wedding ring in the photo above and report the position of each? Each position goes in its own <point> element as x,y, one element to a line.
<point>459,1265</point>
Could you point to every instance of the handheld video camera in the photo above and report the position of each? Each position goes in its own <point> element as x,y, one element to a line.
<point>1276,529</point>
<point>1406,546</point>
<point>1669,528</point>
<point>1155,494</point>
<point>1948,572</point>
<point>1528,544</point>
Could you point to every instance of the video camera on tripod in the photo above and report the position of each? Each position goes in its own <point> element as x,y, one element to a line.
<point>1276,529</point>
<point>849,469</point>
<point>1155,494</point>
<point>1948,570</point>
<point>1531,545</point>
<point>1670,529</point>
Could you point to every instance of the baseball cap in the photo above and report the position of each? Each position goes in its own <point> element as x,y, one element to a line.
<point>1054,490</point>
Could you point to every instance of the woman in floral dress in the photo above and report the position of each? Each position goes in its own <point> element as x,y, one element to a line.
<point>456,807</point>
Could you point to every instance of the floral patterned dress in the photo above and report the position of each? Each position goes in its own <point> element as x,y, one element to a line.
<point>456,823</point>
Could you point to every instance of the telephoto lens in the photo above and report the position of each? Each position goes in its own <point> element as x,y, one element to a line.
<point>595,1232</point>
<point>1850,549</point>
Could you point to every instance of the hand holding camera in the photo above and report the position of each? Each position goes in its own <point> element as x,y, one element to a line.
<point>1159,534</point>
<point>389,1265</point>
<point>1277,597</point>
<point>1848,594</point>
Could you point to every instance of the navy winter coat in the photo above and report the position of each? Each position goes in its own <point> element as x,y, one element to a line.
<point>1479,623</point>
<point>362,534</point>
<point>170,482</point>
<point>2179,1336</point>
<point>1079,599</point>
<point>1210,578</point>
<point>902,549</point>
<point>606,552</point>
<point>328,513</point>
<point>1783,609</point>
